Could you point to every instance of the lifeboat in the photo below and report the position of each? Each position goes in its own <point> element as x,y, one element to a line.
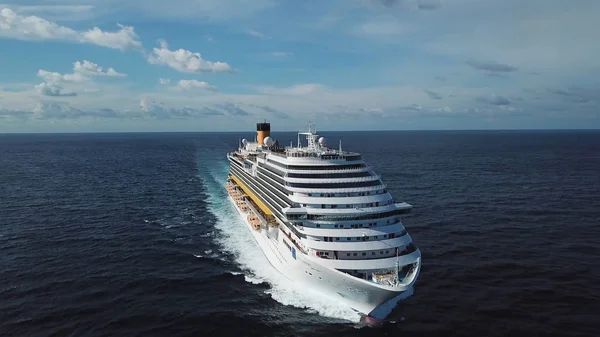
<point>254,221</point>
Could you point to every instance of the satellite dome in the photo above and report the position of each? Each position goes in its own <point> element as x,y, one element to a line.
<point>244,141</point>
<point>322,141</point>
<point>269,141</point>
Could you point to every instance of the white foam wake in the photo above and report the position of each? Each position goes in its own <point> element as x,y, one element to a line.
<point>236,239</point>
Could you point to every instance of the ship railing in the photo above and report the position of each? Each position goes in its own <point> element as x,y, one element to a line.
<point>278,154</point>
<point>337,190</point>
<point>294,153</point>
<point>296,244</point>
<point>332,180</point>
<point>337,170</point>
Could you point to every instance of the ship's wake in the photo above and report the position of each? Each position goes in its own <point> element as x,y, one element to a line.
<point>236,240</point>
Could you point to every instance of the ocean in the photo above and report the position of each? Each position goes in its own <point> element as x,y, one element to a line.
<point>131,235</point>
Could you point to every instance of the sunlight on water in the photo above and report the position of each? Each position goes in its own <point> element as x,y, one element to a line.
<point>236,239</point>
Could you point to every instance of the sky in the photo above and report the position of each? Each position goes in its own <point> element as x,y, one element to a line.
<point>223,65</point>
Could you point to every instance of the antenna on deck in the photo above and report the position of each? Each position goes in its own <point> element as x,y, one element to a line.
<point>340,145</point>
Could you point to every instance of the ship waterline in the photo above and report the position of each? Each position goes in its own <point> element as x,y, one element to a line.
<point>325,220</point>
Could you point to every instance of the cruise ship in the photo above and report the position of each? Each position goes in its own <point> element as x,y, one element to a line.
<point>325,220</point>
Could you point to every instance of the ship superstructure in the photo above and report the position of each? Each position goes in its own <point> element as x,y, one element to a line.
<point>324,218</point>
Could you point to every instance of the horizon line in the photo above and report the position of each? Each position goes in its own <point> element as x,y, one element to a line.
<point>363,130</point>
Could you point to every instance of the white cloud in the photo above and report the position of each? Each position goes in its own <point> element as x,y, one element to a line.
<point>54,83</point>
<point>158,110</point>
<point>195,84</point>
<point>256,33</point>
<point>20,27</point>
<point>53,89</point>
<point>185,61</point>
<point>48,76</point>
<point>59,110</point>
<point>187,85</point>
<point>296,90</point>
<point>92,69</point>
<point>124,38</point>
<point>53,110</point>
<point>381,107</point>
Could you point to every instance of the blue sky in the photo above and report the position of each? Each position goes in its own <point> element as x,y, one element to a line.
<point>222,65</point>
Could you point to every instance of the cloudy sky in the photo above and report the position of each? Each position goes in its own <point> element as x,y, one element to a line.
<point>201,65</point>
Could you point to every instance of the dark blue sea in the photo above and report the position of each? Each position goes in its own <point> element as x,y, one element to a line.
<point>131,235</point>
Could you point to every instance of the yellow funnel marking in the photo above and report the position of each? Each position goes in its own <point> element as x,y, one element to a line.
<point>252,196</point>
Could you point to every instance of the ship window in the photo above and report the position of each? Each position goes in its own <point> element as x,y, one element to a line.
<point>349,239</point>
<point>335,226</point>
<point>381,252</point>
<point>318,226</point>
<point>347,254</point>
<point>373,253</point>
<point>337,239</point>
<point>354,254</point>
<point>364,254</point>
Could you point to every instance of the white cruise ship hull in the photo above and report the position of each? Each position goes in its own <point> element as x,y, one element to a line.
<point>363,296</point>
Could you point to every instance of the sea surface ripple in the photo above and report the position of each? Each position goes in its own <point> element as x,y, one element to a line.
<point>130,235</point>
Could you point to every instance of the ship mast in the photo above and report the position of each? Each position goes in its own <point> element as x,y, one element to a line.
<point>311,137</point>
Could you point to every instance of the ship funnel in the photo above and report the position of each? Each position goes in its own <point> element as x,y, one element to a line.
<point>263,130</point>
